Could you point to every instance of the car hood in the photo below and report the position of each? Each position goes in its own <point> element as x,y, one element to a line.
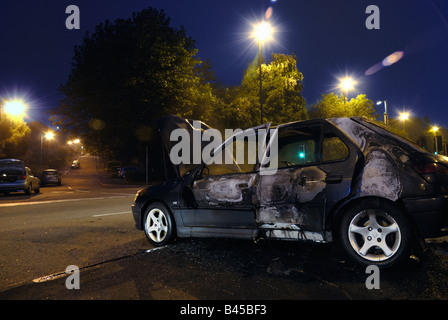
<point>167,126</point>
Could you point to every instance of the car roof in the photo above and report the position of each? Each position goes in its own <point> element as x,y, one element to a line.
<point>11,162</point>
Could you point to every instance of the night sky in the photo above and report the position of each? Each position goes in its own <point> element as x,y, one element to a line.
<point>329,38</point>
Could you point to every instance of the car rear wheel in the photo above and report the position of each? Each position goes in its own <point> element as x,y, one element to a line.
<point>159,225</point>
<point>376,233</point>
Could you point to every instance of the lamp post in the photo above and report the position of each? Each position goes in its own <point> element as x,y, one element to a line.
<point>262,33</point>
<point>435,129</point>
<point>346,84</point>
<point>49,135</point>
<point>386,117</point>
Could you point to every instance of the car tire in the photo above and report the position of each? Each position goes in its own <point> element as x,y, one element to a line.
<point>376,232</point>
<point>159,225</point>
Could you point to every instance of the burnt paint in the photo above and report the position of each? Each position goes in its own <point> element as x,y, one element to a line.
<point>285,199</point>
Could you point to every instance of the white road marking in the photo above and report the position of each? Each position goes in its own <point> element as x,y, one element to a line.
<point>110,214</point>
<point>120,193</point>
<point>16,204</point>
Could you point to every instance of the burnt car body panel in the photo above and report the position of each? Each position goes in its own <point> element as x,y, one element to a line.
<point>388,173</point>
<point>343,160</point>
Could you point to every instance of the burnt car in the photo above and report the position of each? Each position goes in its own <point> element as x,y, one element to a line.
<point>340,179</point>
<point>51,176</point>
<point>15,176</point>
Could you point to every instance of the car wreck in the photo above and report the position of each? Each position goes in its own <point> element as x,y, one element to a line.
<point>340,179</point>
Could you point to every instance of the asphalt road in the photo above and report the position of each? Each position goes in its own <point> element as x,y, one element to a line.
<point>89,224</point>
<point>82,222</point>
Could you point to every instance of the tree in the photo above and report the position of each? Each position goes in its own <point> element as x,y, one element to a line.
<point>332,105</point>
<point>11,134</point>
<point>124,76</point>
<point>282,101</point>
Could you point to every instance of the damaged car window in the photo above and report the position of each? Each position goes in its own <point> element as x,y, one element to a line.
<point>298,146</point>
<point>238,156</point>
<point>333,149</point>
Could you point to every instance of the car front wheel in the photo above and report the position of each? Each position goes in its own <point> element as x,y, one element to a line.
<point>159,225</point>
<point>376,233</point>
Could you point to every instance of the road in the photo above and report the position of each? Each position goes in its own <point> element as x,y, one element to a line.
<point>81,222</point>
<point>89,224</point>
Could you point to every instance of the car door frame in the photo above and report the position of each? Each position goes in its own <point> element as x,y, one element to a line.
<point>295,219</point>
<point>219,215</point>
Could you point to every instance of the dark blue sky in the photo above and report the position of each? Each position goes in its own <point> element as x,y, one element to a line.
<point>329,38</point>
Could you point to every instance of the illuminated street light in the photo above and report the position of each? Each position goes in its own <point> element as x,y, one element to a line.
<point>346,84</point>
<point>48,135</point>
<point>435,129</point>
<point>15,107</point>
<point>403,116</point>
<point>262,32</point>
<point>74,141</point>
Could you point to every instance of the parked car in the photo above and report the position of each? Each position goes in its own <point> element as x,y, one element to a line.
<point>51,176</point>
<point>75,164</point>
<point>340,179</point>
<point>124,170</point>
<point>15,176</point>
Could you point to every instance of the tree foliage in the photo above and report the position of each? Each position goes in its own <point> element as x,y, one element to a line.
<point>125,75</point>
<point>281,94</point>
<point>129,72</point>
<point>333,105</point>
<point>13,130</point>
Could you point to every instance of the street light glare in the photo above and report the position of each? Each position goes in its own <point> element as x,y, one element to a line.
<point>404,116</point>
<point>347,84</point>
<point>15,107</point>
<point>49,135</point>
<point>263,32</point>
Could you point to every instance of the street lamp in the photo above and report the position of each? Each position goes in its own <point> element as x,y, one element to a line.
<point>403,116</point>
<point>48,135</point>
<point>346,84</point>
<point>14,108</point>
<point>435,129</point>
<point>386,117</point>
<point>262,33</point>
